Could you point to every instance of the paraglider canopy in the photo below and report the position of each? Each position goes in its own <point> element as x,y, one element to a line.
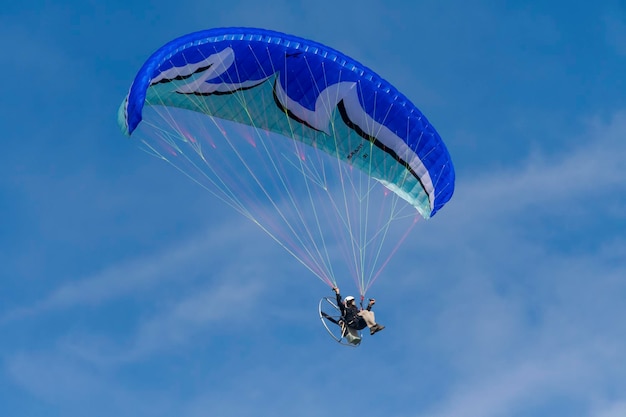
<point>293,135</point>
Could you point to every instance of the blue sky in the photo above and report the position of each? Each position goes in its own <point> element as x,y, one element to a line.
<point>126,290</point>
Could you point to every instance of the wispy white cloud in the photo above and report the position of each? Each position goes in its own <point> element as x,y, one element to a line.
<point>520,385</point>
<point>610,409</point>
<point>574,177</point>
<point>69,386</point>
<point>178,262</point>
<point>207,315</point>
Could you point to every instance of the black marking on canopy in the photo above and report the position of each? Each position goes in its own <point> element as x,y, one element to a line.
<point>289,113</point>
<point>344,115</point>
<point>181,77</point>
